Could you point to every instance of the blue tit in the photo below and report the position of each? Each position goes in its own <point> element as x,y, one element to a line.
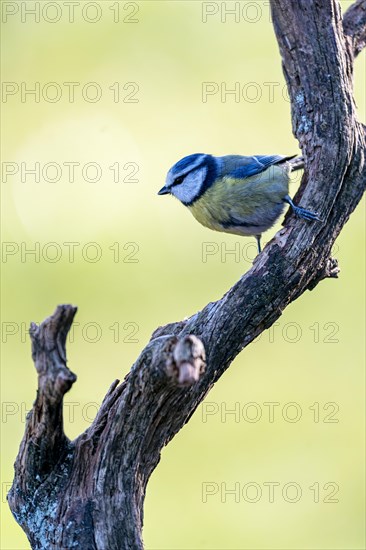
<point>235,194</point>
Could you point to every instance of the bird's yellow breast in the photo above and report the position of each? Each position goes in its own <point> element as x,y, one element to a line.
<point>234,204</point>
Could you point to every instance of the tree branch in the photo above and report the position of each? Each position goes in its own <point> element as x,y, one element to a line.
<point>44,422</point>
<point>354,25</point>
<point>90,492</point>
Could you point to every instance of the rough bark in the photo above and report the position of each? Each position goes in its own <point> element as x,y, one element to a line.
<point>89,493</point>
<point>354,25</point>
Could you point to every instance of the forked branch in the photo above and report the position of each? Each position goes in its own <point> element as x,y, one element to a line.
<point>89,493</point>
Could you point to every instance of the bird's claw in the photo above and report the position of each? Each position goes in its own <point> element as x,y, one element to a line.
<point>306,214</point>
<point>302,212</point>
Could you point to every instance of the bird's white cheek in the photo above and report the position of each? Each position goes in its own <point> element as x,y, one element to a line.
<point>191,187</point>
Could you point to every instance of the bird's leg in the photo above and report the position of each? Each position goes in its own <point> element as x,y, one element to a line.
<point>258,238</point>
<point>302,212</point>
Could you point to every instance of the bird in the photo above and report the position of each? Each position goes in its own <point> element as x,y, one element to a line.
<point>243,195</point>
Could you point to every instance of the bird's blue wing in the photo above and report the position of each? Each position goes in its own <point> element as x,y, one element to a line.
<point>255,165</point>
<point>268,160</point>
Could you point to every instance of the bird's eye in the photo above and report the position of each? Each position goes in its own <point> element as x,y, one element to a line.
<point>178,180</point>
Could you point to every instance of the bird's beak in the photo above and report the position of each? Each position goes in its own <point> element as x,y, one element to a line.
<point>164,191</point>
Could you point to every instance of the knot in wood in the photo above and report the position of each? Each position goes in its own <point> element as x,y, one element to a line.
<point>188,360</point>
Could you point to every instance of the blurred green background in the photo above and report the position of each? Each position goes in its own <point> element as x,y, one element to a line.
<point>138,262</point>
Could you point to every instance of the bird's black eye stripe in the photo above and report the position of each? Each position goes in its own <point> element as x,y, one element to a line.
<point>178,180</point>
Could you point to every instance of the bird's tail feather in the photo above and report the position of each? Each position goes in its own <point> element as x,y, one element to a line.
<point>296,163</point>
